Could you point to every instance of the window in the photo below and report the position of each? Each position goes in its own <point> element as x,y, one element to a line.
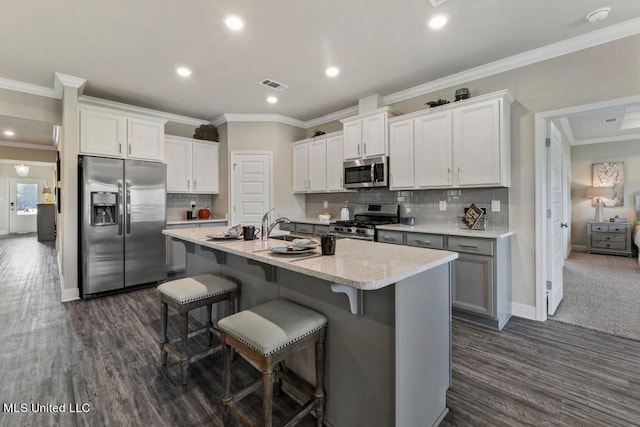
<point>27,199</point>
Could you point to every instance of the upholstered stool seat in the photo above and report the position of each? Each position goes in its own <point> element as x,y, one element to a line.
<point>265,335</point>
<point>185,295</point>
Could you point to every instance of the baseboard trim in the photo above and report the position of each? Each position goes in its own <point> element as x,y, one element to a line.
<point>579,248</point>
<point>71,294</point>
<point>523,310</point>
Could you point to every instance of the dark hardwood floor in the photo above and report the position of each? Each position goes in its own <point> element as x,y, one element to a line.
<point>104,353</point>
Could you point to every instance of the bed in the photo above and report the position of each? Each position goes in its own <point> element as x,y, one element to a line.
<point>636,230</point>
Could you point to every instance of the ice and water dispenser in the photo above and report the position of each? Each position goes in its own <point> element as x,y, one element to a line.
<point>104,208</point>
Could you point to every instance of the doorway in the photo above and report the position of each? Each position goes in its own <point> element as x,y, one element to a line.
<point>545,262</point>
<point>24,196</point>
<point>251,192</point>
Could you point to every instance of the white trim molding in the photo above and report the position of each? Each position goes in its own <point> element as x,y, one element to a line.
<point>27,145</point>
<point>61,80</point>
<point>70,294</point>
<point>344,113</point>
<point>279,118</point>
<point>523,310</point>
<point>28,88</point>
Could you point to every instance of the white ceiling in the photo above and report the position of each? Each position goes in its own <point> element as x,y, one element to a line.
<point>128,50</point>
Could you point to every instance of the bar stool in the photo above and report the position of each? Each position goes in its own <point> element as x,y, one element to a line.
<point>188,294</point>
<point>265,335</point>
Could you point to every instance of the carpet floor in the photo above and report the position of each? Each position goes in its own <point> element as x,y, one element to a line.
<point>601,292</point>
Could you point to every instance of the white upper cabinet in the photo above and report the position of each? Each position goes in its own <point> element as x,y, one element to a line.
<point>365,135</point>
<point>335,164</point>
<point>106,132</point>
<point>465,144</point>
<point>192,165</point>
<point>317,164</point>
<point>401,155</point>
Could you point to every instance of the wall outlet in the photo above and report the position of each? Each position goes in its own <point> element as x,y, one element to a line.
<point>326,204</point>
<point>443,205</point>
<point>193,204</point>
<point>495,206</point>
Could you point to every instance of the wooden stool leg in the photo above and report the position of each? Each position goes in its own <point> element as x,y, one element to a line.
<point>210,323</point>
<point>163,331</point>
<point>226,379</point>
<point>267,399</point>
<point>319,392</point>
<point>184,334</point>
<point>277,380</point>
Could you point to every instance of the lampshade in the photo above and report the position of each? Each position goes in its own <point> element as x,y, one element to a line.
<point>22,169</point>
<point>599,192</point>
<point>47,190</point>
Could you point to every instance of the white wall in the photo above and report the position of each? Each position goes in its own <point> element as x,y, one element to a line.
<point>582,157</point>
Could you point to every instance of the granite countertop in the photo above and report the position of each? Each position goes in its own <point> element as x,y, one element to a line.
<point>448,230</point>
<point>195,221</point>
<point>358,264</point>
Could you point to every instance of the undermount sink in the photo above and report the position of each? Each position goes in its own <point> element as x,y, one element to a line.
<point>285,237</point>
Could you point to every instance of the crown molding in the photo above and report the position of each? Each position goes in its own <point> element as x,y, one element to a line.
<point>98,102</point>
<point>566,127</point>
<point>344,113</point>
<point>629,137</point>
<point>61,80</point>
<point>26,162</point>
<point>27,145</point>
<point>29,88</point>
<point>585,41</point>
<point>279,118</point>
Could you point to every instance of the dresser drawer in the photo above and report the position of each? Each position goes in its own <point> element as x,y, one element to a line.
<point>609,237</point>
<point>604,244</point>
<point>471,246</point>
<point>395,237</point>
<point>433,241</point>
<point>609,228</point>
<point>618,228</point>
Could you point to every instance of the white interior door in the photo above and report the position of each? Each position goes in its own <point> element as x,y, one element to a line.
<point>251,187</point>
<point>555,225</point>
<point>24,196</point>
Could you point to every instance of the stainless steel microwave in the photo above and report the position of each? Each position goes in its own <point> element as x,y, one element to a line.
<point>365,173</point>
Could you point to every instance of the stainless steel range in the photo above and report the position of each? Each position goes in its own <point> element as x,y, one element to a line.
<point>365,218</point>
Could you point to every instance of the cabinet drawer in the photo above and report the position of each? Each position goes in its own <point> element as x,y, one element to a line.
<point>287,226</point>
<point>609,228</point>
<point>304,228</point>
<point>471,246</point>
<point>394,237</point>
<point>433,241</point>
<point>609,245</point>
<point>319,230</point>
<point>608,237</point>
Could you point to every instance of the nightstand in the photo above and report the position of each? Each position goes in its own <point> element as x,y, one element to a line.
<point>609,238</point>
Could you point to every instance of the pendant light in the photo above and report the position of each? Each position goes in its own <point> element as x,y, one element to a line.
<point>22,170</point>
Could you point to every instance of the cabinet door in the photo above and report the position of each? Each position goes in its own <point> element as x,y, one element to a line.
<point>472,284</point>
<point>300,167</point>
<point>352,139</point>
<point>102,133</point>
<point>434,151</point>
<point>401,155</point>
<point>335,168</point>
<point>179,166</point>
<point>145,139</point>
<point>477,140</point>
<point>317,163</point>
<point>206,167</point>
<point>374,135</point>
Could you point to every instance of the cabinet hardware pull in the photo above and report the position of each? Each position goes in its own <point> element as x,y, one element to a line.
<point>129,149</point>
<point>365,148</point>
<point>389,238</point>
<point>195,185</point>
<point>188,184</point>
<point>358,149</point>
<point>120,148</point>
<point>449,175</point>
<point>426,242</point>
<point>469,246</point>
<point>459,175</point>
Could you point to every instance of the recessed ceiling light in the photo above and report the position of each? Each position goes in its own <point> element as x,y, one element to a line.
<point>437,22</point>
<point>183,71</point>
<point>332,71</point>
<point>598,14</point>
<point>9,133</point>
<point>234,22</point>
<point>272,99</point>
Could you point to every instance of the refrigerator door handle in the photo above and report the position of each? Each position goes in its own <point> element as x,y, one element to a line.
<point>120,208</point>
<point>128,202</point>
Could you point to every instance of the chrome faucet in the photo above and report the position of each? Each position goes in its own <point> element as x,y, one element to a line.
<point>266,227</point>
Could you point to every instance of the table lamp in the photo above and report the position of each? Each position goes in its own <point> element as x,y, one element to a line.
<point>598,193</point>
<point>47,193</point>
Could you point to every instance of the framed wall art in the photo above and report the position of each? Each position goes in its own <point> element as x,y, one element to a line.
<point>609,174</point>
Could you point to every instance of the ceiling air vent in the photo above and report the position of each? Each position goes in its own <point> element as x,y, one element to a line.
<point>611,120</point>
<point>272,84</point>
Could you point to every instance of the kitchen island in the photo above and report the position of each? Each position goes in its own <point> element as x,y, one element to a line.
<point>388,352</point>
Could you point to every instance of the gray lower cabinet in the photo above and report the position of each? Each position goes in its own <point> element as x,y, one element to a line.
<point>176,251</point>
<point>305,229</point>
<point>480,277</point>
<point>46,221</point>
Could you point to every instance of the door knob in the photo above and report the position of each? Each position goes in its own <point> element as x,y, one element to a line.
<point>564,225</point>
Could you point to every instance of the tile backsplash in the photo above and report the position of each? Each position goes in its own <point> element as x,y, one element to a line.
<point>179,204</point>
<point>424,205</point>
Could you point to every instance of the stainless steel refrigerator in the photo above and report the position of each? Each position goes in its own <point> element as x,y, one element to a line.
<point>122,212</point>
